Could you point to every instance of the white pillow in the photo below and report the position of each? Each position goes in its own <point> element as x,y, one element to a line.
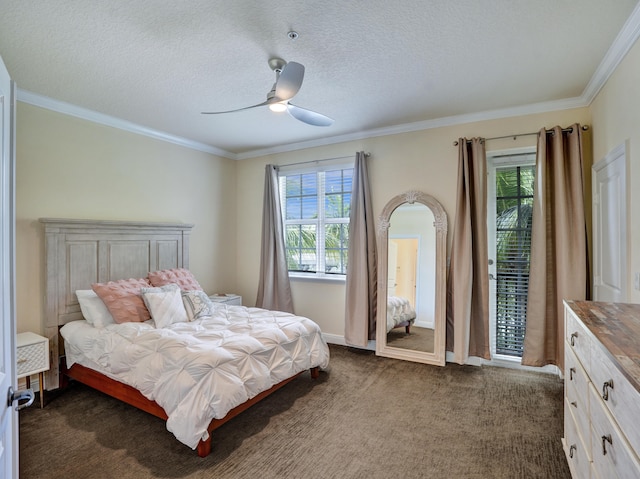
<point>93,309</point>
<point>164,304</point>
<point>197,304</point>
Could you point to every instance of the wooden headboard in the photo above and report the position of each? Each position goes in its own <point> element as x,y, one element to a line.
<point>81,252</point>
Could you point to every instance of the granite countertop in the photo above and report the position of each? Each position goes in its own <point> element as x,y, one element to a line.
<point>617,328</point>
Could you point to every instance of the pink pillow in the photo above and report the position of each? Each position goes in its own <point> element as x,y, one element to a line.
<point>123,299</point>
<point>180,276</point>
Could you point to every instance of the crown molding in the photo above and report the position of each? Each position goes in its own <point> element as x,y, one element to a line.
<point>617,51</point>
<point>90,115</point>
<point>69,109</point>
<point>543,107</point>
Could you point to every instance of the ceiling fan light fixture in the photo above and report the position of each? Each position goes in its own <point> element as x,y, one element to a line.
<point>288,81</point>
<point>278,107</point>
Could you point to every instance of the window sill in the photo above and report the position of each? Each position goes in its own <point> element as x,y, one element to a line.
<point>341,279</point>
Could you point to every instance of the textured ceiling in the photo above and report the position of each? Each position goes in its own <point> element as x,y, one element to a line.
<point>372,65</point>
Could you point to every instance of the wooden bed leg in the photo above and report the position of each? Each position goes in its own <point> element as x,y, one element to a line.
<point>64,379</point>
<point>204,447</point>
<point>315,372</point>
<point>408,329</point>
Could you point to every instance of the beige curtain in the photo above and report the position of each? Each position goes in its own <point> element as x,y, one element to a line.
<point>274,288</point>
<point>362,277</point>
<point>468,281</point>
<point>559,267</point>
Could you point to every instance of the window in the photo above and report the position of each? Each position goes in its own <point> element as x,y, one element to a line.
<point>315,208</point>
<point>510,215</point>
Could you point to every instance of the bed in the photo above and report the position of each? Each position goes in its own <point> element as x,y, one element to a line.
<point>222,361</point>
<point>400,313</point>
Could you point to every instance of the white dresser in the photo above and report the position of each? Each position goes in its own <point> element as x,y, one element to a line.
<point>602,389</point>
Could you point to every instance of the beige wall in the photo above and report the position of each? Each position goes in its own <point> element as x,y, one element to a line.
<point>616,120</point>
<point>72,168</point>
<point>424,160</point>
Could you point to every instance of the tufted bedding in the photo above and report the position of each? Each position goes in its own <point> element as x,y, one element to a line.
<point>399,311</point>
<point>200,370</point>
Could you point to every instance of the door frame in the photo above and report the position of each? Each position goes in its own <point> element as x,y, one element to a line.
<point>496,159</point>
<point>8,415</point>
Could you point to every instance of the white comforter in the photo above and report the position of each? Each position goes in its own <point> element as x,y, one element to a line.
<point>399,310</point>
<point>200,370</point>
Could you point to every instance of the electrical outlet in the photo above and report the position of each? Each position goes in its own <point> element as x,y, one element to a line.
<point>637,281</point>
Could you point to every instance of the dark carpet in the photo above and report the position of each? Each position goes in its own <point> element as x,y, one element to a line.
<point>420,339</point>
<point>365,417</point>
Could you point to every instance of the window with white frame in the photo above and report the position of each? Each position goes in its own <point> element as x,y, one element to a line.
<point>316,204</point>
<point>511,183</point>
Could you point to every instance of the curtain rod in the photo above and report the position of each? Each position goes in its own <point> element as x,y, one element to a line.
<point>584,128</point>
<point>366,155</point>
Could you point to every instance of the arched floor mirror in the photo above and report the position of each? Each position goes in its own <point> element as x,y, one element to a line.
<point>412,241</point>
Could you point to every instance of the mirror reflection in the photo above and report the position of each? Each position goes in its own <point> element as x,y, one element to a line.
<point>412,279</point>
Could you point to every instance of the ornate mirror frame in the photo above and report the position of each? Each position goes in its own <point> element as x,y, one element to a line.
<point>437,357</point>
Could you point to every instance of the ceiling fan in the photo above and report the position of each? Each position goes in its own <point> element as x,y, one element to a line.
<point>288,81</point>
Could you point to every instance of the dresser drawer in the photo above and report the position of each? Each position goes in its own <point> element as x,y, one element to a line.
<point>622,399</point>
<point>576,384</point>
<point>577,338</point>
<point>32,358</point>
<point>578,454</point>
<point>611,453</point>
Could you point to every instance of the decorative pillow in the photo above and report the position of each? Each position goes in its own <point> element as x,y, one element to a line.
<point>93,309</point>
<point>123,299</point>
<point>165,304</point>
<point>180,276</point>
<point>197,304</point>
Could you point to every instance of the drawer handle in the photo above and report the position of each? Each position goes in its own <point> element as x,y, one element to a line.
<point>571,371</point>
<point>605,389</point>
<point>573,338</point>
<point>574,404</point>
<point>606,439</point>
<point>571,449</point>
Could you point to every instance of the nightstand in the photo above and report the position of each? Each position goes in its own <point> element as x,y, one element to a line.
<point>32,356</point>
<point>230,299</point>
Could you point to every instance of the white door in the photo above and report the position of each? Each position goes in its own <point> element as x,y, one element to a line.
<point>406,268</point>
<point>610,227</point>
<point>8,416</point>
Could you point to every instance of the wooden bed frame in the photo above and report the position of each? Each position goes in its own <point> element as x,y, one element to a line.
<point>81,252</point>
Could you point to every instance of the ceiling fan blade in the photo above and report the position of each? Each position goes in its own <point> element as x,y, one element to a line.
<point>289,81</point>
<point>240,109</point>
<point>308,116</point>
